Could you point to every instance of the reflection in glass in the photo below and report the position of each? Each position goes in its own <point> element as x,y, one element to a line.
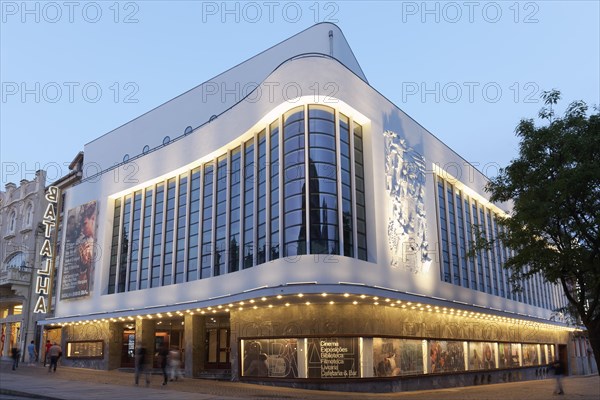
<point>114,251</point>
<point>125,235</point>
<point>293,178</point>
<point>249,167</point>
<point>274,168</point>
<point>346,173</point>
<point>324,237</point>
<point>261,198</point>
<point>361,223</point>
<point>234,216</point>
<point>219,261</point>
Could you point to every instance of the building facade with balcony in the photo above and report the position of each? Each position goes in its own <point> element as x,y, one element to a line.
<point>285,223</point>
<point>21,212</point>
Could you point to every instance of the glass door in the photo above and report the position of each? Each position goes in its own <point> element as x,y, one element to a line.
<point>128,349</point>
<point>218,348</point>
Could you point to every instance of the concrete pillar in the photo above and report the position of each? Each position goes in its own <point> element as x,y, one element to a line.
<point>194,335</point>
<point>144,336</point>
<point>114,345</point>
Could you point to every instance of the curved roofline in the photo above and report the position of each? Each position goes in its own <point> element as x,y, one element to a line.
<point>298,56</point>
<point>239,64</point>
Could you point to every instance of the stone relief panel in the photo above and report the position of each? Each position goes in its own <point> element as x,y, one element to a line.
<point>405,186</point>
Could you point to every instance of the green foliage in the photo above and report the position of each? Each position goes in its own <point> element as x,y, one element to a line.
<point>554,188</point>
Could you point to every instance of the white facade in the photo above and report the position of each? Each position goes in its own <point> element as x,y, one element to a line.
<point>403,163</point>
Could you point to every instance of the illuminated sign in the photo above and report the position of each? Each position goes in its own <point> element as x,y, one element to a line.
<point>44,274</point>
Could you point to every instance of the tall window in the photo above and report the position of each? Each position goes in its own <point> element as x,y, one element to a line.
<point>231,212</point>
<point>135,240</point>
<point>158,234</point>
<point>322,169</point>
<point>145,246</point>
<point>261,198</point>
<point>221,216</point>
<point>249,204</point>
<point>125,244</point>
<point>461,239</point>
<point>294,218</point>
<point>28,215</point>
<point>453,238</point>
<point>444,232</point>
<point>346,177</point>
<point>12,222</point>
<point>114,250</point>
<point>181,229</point>
<point>361,215</point>
<point>274,168</point>
<point>207,220</point>
<point>194,229</point>
<point>234,213</point>
<point>169,233</point>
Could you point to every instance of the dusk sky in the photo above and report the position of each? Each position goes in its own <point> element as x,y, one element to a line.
<point>466,71</point>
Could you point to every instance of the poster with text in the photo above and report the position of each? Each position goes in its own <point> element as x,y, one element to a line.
<point>77,266</point>
<point>333,358</point>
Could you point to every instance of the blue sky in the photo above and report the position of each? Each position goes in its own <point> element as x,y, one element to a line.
<point>466,71</point>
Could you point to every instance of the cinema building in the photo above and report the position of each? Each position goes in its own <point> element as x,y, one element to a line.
<point>285,223</point>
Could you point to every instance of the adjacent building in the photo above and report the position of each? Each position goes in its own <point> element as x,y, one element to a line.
<point>285,223</point>
<point>21,212</point>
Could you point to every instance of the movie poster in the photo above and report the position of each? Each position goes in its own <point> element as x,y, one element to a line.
<point>481,356</point>
<point>77,266</point>
<point>446,356</point>
<point>394,357</point>
<point>508,355</point>
<point>530,355</point>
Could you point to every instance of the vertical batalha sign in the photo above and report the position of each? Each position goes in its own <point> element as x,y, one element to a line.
<point>78,257</point>
<point>44,275</point>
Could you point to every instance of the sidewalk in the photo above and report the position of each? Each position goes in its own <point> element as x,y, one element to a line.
<point>77,384</point>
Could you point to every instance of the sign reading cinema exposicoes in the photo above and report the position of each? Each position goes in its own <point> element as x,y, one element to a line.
<point>44,274</point>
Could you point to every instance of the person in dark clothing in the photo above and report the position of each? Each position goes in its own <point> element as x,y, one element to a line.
<point>15,354</point>
<point>163,353</point>
<point>141,365</point>
<point>559,371</point>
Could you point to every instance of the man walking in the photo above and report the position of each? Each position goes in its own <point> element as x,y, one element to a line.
<point>32,352</point>
<point>55,352</point>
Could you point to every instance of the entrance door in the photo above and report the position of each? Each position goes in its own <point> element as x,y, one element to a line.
<point>563,356</point>
<point>218,348</point>
<point>128,349</point>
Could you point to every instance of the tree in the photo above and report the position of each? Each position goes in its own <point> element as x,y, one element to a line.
<point>554,226</point>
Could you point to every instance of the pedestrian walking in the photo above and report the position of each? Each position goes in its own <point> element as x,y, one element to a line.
<point>559,371</point>
<point>15,354</point>
<point>163,354</point>
<point>174,364</point>
<point>46,353</point>
<point>32,352</point>
<point>141,365</point>
<point>55,353</point>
